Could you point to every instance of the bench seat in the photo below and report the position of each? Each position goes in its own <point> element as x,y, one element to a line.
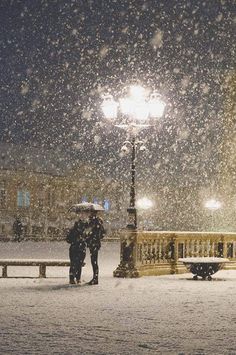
<point>42,263</point>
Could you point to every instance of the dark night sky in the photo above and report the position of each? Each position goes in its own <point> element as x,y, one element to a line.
<point>57,57</point>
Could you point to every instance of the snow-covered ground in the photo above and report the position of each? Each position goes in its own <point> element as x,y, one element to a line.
<point>151,315</point>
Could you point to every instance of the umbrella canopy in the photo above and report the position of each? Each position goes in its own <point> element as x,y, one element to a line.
<point>85,207</point>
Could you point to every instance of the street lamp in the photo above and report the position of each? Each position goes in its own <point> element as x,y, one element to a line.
<point>212,205</point>
<point>135,112</point>
<point>144,203</point>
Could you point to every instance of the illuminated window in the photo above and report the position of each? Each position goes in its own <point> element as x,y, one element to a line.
<point>23,198</point>
<point>19,198</point>
<point>106,205</point>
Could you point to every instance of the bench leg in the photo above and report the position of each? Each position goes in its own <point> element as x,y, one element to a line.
<point>42,271</point>
<point>4,271</point>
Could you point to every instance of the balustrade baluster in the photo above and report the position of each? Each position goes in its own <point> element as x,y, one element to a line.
<point>214,244</point>
<point>197,248</point>
<point>156,249</point>
<point>207,247</point>
<point>211,248</point>
<point>191,248</point>
<point>187,248</point>
<point>204,248</point>
<point>160,250</point>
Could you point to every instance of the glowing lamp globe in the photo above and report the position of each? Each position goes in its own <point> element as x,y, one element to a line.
<point>144,203</point>
<point>156,106</point>
<point>213,204</point>
<point>109,107</point>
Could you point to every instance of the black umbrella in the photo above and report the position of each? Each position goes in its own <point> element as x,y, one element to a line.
<point>85,207</point>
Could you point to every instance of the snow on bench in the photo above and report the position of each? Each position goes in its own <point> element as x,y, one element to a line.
<point>42,263</point>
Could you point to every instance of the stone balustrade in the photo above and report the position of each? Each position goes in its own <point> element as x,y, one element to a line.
<point>157,253</point>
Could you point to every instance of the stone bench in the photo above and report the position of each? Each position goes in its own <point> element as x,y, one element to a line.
<point>42,263</point>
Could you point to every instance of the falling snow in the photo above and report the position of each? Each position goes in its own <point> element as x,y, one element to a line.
<point>58,61</point>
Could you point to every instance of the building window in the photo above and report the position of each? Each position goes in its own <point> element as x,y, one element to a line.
<point>106,205</point>
<point>84,199</point>
<point>27,199</point>
<point>2,195</point>
<point>23,198</point>
<point>19,198</point>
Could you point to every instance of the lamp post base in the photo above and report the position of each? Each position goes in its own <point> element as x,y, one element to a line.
<point>125,271</point>
<point>127,268</point>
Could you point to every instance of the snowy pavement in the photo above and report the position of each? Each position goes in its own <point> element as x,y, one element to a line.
<point>151,315</point>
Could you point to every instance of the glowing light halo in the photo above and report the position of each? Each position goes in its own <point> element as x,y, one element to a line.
<point>126,106</point>
<point>212,204</point>
<point>137,109</point>
<point>137,92</point>
<point>156,105</point>
<point>109,107</point>
<point>138,105</point>
<point>145,203</point>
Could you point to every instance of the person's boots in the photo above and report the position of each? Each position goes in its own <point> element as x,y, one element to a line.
<point>94,281</point>
<point>71,280</point>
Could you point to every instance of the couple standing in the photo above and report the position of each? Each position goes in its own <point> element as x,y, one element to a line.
<point>85,233</point>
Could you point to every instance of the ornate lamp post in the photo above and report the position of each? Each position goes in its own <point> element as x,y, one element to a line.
<point>133,113</point>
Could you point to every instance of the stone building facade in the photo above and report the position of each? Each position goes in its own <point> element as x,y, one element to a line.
<point>39,187</point>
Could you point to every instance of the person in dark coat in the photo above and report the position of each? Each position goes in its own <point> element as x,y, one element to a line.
<point>77,251</point>
<point>17,229</point>
<point>94,233</point>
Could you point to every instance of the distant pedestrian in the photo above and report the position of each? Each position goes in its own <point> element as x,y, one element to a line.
<point>94,233</point>
<point>17,230</point>
<point>77,251</point>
